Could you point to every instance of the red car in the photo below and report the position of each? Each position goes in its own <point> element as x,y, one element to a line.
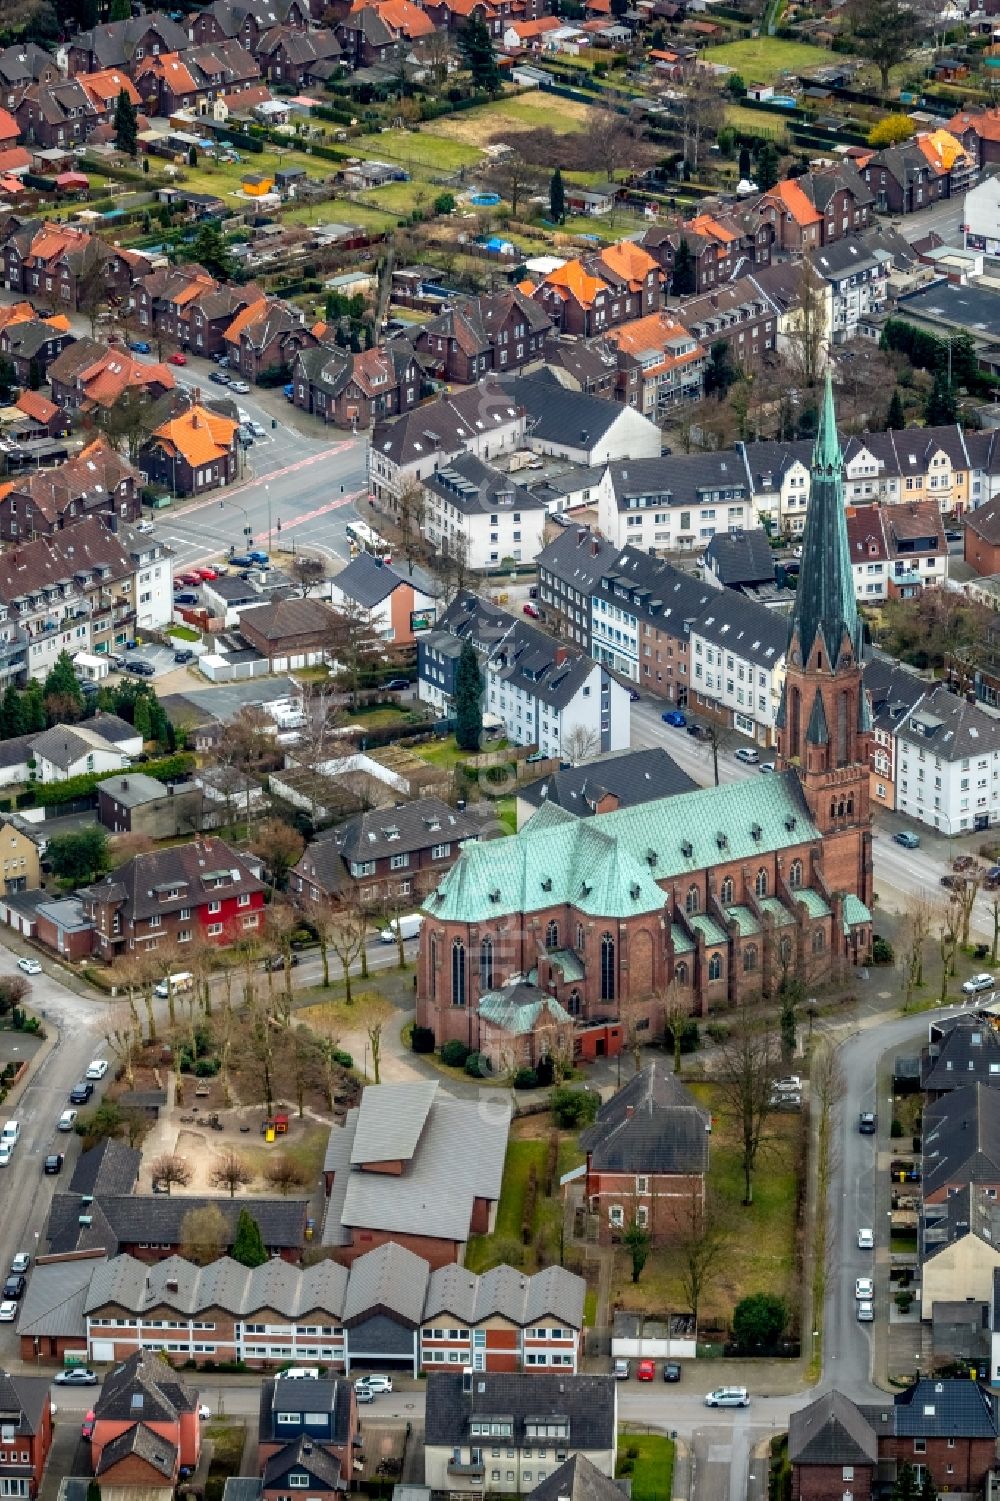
<point>87,1426</point>
<point>206,574</point>
<point>190,578</point>
<point>532,610</point>
<point>646,1370</point>
<point>177,358</point>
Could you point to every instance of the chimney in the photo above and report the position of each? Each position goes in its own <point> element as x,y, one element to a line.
<point>629,1112</point>
<point>595,547</point>
<point>560,656</point>
<point>124,784</point>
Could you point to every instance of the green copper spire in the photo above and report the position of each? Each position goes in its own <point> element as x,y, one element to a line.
<point>825,605</point>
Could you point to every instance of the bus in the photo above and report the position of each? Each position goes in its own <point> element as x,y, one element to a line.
<point>363,539</point>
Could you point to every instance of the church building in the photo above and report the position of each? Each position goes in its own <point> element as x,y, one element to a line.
<point>710,895</point>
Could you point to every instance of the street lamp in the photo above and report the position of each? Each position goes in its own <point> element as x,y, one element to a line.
<point>247,529</point>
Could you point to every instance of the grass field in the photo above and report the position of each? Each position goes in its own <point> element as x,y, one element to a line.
<point>527,1148</point>
<point>755,121</point>
<point>763,59</point>
<point>648,1460</point>
<point>761,1255</point>
<point>425,147</point>
<point>476,127</point>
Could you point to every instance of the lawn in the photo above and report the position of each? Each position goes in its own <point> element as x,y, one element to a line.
<point>648,1460</point>
<point>763,59</point>
<point>761,1255</point>
<point>756,122</point>
<point>401,198</point>
<point>424,148</point>
<point>527,1148</point>
<point>476,127</point>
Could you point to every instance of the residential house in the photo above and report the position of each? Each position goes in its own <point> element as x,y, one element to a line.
<point>193,451</point>
<point>87,374</point>
<point>892,691</point>
<point>910,176</point>
<point>961,1143</point>
<point>979,133</point>
<point>736,656</point>
<point>399,602</point>
<point>290,633</point>
<point>567,1416</point>
<point>20,856</point>
<point>378,32</point>
<point>61,261</point>
<point>42,418</point>
<point>169,893</point>
<point>354,390</point>
<point>98,481</point>
<point>740,559</point>
<point>481,512</point>
<point>21,64</point>
<point>60,114</point>
<point>394,1155</point>
<point>660,364</point>
<point>186,306</point>
<point>831,1444</point>
<point>66,751</point>
<point>32,344</point>
<point>288,54</point>
<point>388,1305</point>
<point>498,331</point>
<point>584,429</point>
<point>484,420</point>
<point>266,336</point>
<point>194,77</point>
<point>740,314</point>
<point>796,221</point>
<point>675,503</point>
<point>295,1425</point>
<point>616,284</point>
<point>859,280</point>
<point>620,779</point>
<point>545,694</point>
<point>146,1425</point>
<point>647,1157</point>
<point>386,857</point>
<point>959,1250</point>
<point>897,551</point>
<point>946,753</point>
<point>719,246</point>
<point>246,20</point>
<point>105,88</point>
<point>122,44</point>
<point>25,1424</point>
<point>981,538</point>
<point>138,804</point>
<point>819,208</point>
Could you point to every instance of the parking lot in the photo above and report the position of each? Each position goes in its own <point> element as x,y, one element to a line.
<point>160,658</point>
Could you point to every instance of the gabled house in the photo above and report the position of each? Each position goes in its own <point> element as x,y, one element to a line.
<point>399,602</point>
<point>916,173</point>
<point>354,390</point>
<point>32,344</point>
<point>499,331</point>
<point>193,452</point>
<point>287,54</point>
<point>660,364</point>
<point>56,114</point>
<point>959,1250</point>
<point>267,335</point>
<point>979,133</point>
<point>25,1433</point>
<point>964,1050</point>
<point>104,89</point>
<point>324,1415</point>
<point>146,1424</point>
<point>496,518</point>
<point>169,893</point>
<point>87,374</point>
<point>123,44</point>
<point>831,1445</point>
<point>961,1142</point>
<point>98,481</point>
<point>897,551</point>
<point>740,559</point>
<point>246,20</point>
<point>647,1156</point>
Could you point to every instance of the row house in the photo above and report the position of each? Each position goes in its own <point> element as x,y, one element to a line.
<point>719,246</point>
<point>378,32</point>
<point>659,364</point>
<point>22,65</point>
<point>123,44</point>
<point>354,390</point>
<point>495,332</point>
<point>47,260</point>
<point>25,1434</point>
<point>897,551</point>
<point>193,451</point>
<point>482,511</point>
<point>979,133</point>
<point>286,54</point>
<point>104,90</point>
<point>87,374</point>
<point>906,178</point>
<point>586,297</point>
<point>186,306</point>
<point>818,208</point>
<point>452,15</point>
<point>741,314</point>
<point>85,588</point>
<point>32,344</point>
<point>246,21</point>
<point>57,114</point>
<point>97,480</point>
<point>202,887</point>
<point>389,1300</point>
<point>892,691</point>
<point>266,336</point>
<point>183,80</point>
<point>858,278</point>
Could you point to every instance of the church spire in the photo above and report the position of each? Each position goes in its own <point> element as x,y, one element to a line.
<point>825,606</point>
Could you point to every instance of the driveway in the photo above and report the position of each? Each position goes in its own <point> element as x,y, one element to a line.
<point>160,658</point>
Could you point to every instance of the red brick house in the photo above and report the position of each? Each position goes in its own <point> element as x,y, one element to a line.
<point>25,1433</point>
<point>392,1173</point>
<point>979,133</point>
<point>584,297</point>
<point>647,1156</point>
<point>121,44</point>
<point>961,1142</point>
<point>193,451</point>
<point>146,1424</point>
<point>60,114</point>
<point>354,390</point>
<point>947,1427</point>
<point>60,263</point>
<point>31,345</point>
<point>186,306</point>
<point>87,374</point>
<point>500,331</point>
<point>981,537</point>
<point>169,893</point>
<point>99,480</point>
<point>267,335</point>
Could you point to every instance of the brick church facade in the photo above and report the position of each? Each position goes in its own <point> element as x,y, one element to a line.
<point>713,894</point>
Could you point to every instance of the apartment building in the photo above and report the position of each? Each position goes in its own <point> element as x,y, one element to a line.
<point>675,503</point>
<point>659,364</point>
<point>858,278</point>
<point>736,657</point>
<point>948,764</point>
<point>483,512</point>
<point>483,420</point>
<point>896,551</point>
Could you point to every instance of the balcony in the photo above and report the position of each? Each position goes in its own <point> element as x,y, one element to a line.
<point>473,1470</point>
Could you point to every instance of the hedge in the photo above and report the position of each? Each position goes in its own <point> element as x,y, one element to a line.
<point>54,794</point>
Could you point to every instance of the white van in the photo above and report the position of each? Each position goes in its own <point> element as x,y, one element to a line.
<point>300,1373</point>
<point>175,984</point>
<point>409,927</point>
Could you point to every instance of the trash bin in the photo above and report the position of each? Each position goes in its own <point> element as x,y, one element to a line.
<point>274,422</point>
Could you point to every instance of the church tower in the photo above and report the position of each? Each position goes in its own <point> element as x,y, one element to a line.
<point>823,720</point>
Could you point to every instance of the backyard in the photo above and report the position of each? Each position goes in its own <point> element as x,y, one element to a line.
<point>530,1208</point>
<point>763,59</point>
<point>647,1459</point>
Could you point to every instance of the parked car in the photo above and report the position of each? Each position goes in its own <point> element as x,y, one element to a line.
<point>646,1370</point>
<point>276,962</point>
<point>183,657</point>
<point>977,983</point>
<point>8,1311</point>
<point>185,598</point>
<point>218,378</point>
<point>29,966</point>
<point>258,429</point>
<point>11,1134</point>
<point>866,1240</point>
<point>21,1262</point>
<point>867,1123</point>
<point>747,755</point>
<point>374,1383</point>
<point>364,1395</point>
<point>866,1312</point>
<point>864,1287</point>
<point>87,1426</point>
<point>992,878</point>
<point>205,575</point>
<point>907,840</point>
<point>240,387</point>
<point>674,717</point>
<point>397,685</point>
<point>14,1286</point>
<point>671,1370</point>
<point>531,610</point>
<point>67,1120</point>
<point>80,1093</point>
<point>621,1369</point>
<point>257,558</point>
<point>766,766</point>
<point>77,1375</point>
<point>952,883</point>
<point>138,346</point>
<point>53,1163</point>
<point>241,560</point>
<point>788,1084</point>
<point>97,1069</point>
<point>177,358</point>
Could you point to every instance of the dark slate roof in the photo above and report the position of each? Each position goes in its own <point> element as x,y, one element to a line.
<point>831,1431</point>
<point>142,1443</point>
<point>678,478</point>
<point>368,581</point>
<point>111,1167</point>
<point>971,1211</point>
<point>243,1488</point>
<point>475,488</point>
<point>419,825</point>
<point>332,1396</point>
<point>518,653</point>
<point>448,424</point>
<point>962,1138</point>
<point>652,1125</point>
<point>741,557</point>
<point>557,415</point>
<point>577,1479</point>
<point>322,1467</point>
<point>945,1409</point>
<point>738,624</point>
<point>587,1401</point>
<point>950,727</point>
<point>126,1219</point>
<point>145,1389</point>
<point>185,867</point>
<point>26,1397</point>
<point>632,776</point>
<point>964,1051</point>
<point>892,690</point>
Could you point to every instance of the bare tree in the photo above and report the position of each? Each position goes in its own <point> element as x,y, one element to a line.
<point>411,516</point>
<point>348,936</point>
<point>611,139</point>
<point>675,1013</point>
<point>204,1235</point>
<point>807,333</point>
<point>322,920</point>
<point>995,910</point>
<point>284,1174</point>
<point>374,1012</point>
<point>352,644</point>
<point>279,845</point>
<point>282,923</point>
<point>124,1042</point>
<point>171,1169</point>
<point>580,744</point>
<point>231,1173</point>
<point>750,1061</point>
<point>947,937</point>
<point>964,895</point>
<point>243,749</point>
<point>911,952</point>
<point>307,571</point>
<point>701,114</point>
<point>701,1244</point>
<point>514,179</point>
<point>438,53</point>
